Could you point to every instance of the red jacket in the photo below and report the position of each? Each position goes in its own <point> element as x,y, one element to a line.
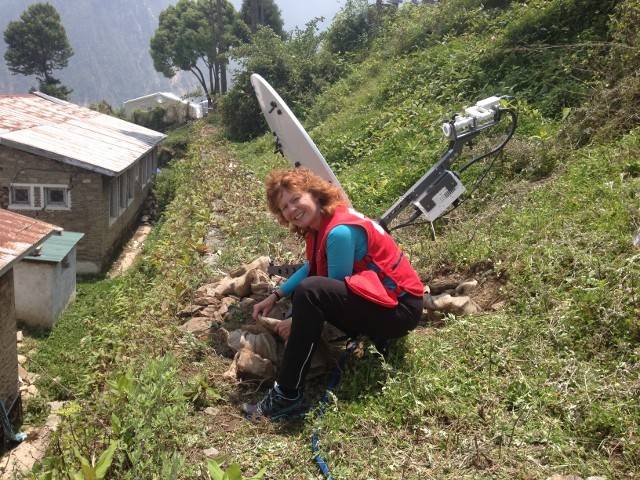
<point>383,259</point>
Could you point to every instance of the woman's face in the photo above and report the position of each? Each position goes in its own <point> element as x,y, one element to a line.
<point>300,209</point>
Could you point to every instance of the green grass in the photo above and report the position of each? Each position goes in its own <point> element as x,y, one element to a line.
<point>548,384</point>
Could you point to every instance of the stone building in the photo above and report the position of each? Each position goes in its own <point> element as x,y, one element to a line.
<point>19,236</point>
<point>77,168</point>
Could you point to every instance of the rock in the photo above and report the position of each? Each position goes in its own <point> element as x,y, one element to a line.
<point>440,286</point>
<point>189,311</point>
<point>246,305</point>
<point>56,406</point>
<point>427,289</point>
<point>212,411</point>
<point>242,285</point>
<point>263,344</point>
<point>211,452</point>
<point>32,378</point>
<point>262,288</point>
<point>268,323</point>
<point>448,304</point>
<point>596,478</point>
<point>212,311</point>
<point>261,263</point>
<point>219,338</point>
<point>250,364</point>
<point>466,287</point>
<point>196,325</point>
<point>22,359</point>
<point>564,477</point>
<point>205,300</point>
<point>30,392</point>
<point>19,336</point>
<point>498,305</point>
<point>23,374</point>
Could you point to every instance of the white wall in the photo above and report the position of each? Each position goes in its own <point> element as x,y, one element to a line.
<point>34,284</point>
<point>43,290</point>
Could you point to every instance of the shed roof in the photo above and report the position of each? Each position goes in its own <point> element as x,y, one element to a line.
<point>18,235</point>
<point>167,95</point>
<point>62,131</point>
<point>55,248</point>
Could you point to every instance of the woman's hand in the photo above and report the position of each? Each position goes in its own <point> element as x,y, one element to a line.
<point>264,307</point>
<point>283,329</point>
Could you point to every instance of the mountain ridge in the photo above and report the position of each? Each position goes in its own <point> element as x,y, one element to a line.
<point>111,58</point>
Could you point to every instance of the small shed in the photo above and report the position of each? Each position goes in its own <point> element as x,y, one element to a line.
<point>177,109</point>
<point>19,235</point>
<point>45,281</point>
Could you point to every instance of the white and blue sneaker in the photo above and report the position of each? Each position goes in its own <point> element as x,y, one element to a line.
<point>275,406</point>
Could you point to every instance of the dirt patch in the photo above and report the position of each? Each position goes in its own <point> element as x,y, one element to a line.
<point>488,294</point>
<point>130,251</point>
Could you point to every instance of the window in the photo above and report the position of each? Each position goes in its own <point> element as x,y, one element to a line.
<point>56,197</point>
<point>21,195</point>
<point>130,184</point>
<point>147,169</point>
<point>114,211</point>
<point>27,196</point>
<point>122,187</point>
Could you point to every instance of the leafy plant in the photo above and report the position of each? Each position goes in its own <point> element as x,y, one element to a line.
<point>232,472</point>
<point>95,470</point>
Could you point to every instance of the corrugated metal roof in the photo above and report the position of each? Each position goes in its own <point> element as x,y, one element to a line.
<point>72,134</point>
<point>168,95</point>
<point>56,247</point>
<point>19,235</point>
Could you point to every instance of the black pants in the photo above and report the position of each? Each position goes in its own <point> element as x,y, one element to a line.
<point>320,299</point>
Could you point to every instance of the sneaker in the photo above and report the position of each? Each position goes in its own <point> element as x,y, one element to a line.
<point>274,406</point>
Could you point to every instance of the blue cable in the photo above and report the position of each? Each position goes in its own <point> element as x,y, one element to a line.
<point>6,426</point>
<point>334,380</point>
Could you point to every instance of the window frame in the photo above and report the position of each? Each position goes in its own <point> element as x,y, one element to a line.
<point>114,195</point>
<point>22,206</point>
<point>44,198</point>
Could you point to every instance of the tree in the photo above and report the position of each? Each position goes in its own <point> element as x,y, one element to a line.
<point>195,36</point>
<point>37,45</point>
<point>262,12</point>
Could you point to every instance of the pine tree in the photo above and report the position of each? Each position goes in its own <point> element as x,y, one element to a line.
<point>262,12</point>
<point>37,45</point>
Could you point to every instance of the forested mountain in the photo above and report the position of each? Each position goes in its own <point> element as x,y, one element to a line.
<point>111,44</point>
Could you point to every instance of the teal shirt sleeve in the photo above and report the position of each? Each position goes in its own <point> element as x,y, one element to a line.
<point>292,282</point>
<point>345,245</point>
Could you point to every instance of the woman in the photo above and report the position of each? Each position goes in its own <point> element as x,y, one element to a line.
<point>355,278</point>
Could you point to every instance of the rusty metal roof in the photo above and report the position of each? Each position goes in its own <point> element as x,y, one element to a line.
<point>68,133</point>
<point>19,235</point>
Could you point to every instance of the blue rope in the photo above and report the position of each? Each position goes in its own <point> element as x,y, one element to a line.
<point>334,380</point>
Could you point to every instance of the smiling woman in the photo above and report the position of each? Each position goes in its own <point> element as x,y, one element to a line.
<point>355,277</point>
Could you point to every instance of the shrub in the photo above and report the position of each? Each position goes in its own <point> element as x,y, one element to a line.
<point>296,67</point>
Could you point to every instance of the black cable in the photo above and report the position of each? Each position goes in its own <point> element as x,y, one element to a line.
<point>495,152</point>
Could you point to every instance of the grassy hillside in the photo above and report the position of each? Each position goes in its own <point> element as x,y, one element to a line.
<point>548,383</point>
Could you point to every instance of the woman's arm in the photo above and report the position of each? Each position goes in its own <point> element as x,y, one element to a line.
<point>292,282</point>
<point>345,245</point>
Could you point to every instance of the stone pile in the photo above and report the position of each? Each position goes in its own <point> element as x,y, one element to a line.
<point>455,299</point>
<point>26,381</point>
<point>221,314</point>
<point>149,209</point>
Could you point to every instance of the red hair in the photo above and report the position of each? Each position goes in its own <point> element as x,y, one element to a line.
<point>302,180</point>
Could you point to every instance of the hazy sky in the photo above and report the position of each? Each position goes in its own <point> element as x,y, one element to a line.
<point>299,12</point>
